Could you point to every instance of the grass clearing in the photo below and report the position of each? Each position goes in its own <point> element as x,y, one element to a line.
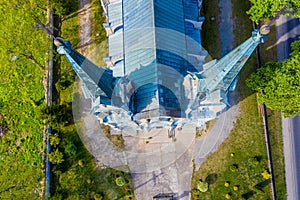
<point>99,43</point>
<point>241,159</point>
<point>268,53</point>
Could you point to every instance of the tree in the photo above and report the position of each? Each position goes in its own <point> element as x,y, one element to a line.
<point>267,8</point>
<point>202,186</point>
<point>278,85</point>
<point>56,157</point>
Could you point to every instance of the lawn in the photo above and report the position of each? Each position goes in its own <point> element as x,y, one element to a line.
<point>23,54</point>
<point>268,53</point>
<point>241,159</point>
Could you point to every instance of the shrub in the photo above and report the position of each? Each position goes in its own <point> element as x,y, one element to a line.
<point>89,181</point>
<point>120,181</point>
<point>54,140</point>
<point>266,175</point>
<point>253,162</point>
<point>80,163</point>
<point>228,196</point>
<point>232,168</point>
<point>235,188</point>
<point>227,184</point>
<point>56,157</point>
<point>70,149</point>
<point>98,197</point>
<point>202,186</point>
<point>196,191</point>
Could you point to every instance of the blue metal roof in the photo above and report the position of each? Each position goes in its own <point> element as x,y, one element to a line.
<point>156,66</point>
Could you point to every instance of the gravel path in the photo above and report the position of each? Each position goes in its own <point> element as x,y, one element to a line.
<point>84,26</point>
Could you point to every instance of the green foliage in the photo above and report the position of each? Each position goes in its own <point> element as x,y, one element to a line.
<point>56,157</point>
<point>120,181</point>
<point>279,85</point>
<point>253,162</point>
<point>70,149</point>
<point>23,55</point>
<point>98,197</point>
<point>267,8</point>
<point>233,168</point>
<point>266,175</point>
<point>54,140</point>
<point>202,186</point>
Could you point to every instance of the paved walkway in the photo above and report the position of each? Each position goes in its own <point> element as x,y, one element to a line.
<point>161,166</point>
<point>218,133</point>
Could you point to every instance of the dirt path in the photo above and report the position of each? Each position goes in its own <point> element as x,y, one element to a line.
<point>84,26</point>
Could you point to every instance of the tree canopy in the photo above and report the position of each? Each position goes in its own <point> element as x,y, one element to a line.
<point>279,84</point>
<point>267,8</point>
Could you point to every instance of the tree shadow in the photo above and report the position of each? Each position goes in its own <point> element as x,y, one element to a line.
<point>263,184</point>
<point>184,195</point>
<point>211,178</point>
<point>249,194</point>
<point>258,189</point>
<point>258,158</point>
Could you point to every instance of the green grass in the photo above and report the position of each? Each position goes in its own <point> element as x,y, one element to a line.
<point>268,53</point>
<point>21,147</point>
<point>274,121</point>
<point>21,98</point>
<point>99,45</point>
<point>246,141</point>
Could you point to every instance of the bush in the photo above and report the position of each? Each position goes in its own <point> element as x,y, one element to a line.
<point>54,140</point>
<point>98,197</point>
<point>120,181</point>
<point>202,186</point>
<point>266,175</point>
<point>80,163</point>
<point>253,162</point>
<point>228,196</point>
<point>226,184</point>
<point>235,188</point>
<point>196,191</point>
<point>56,157</point>
<point>232,168</point>
<point>70,149</point>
